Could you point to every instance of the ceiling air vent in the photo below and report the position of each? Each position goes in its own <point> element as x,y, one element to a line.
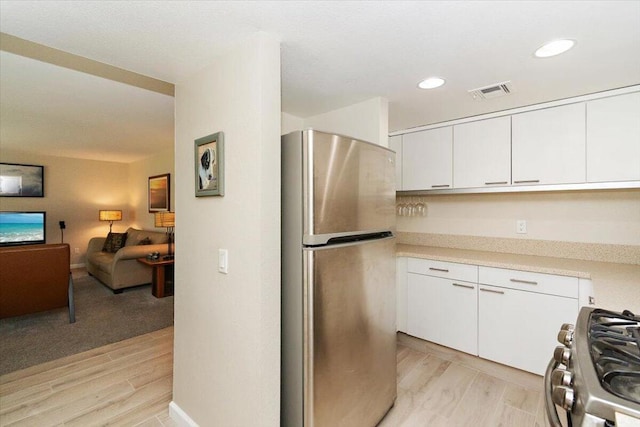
<point>492,91</point>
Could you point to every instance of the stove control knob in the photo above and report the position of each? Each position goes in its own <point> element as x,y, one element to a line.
<point>563,397</point>
<point>562,355</point>
<point>561,377</point>
<point>567,327</point>
<point>565,336</point>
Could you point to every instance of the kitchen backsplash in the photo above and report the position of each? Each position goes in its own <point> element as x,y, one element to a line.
<point>623,254</point>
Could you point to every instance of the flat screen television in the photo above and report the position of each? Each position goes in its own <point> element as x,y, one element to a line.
<point>22,228</point>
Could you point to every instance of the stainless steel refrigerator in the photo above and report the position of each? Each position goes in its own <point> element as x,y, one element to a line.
<point>338,281</point>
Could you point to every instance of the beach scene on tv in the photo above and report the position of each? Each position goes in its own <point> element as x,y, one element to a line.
<point>22,227</point>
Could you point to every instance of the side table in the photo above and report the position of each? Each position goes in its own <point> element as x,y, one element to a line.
<point>162,276</point>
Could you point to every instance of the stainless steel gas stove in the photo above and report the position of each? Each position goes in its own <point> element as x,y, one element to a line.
<point>595,375</point>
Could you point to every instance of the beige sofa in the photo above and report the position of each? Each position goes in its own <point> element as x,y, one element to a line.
<point>121,269</point>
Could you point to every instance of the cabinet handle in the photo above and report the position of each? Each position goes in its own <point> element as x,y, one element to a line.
<point>527,181</point>
<point>440,186</point>
<point>492,291</point>
<point>463,286</point>
<point>496,183</point>
<point>444,270</point>
<point>526,282</point>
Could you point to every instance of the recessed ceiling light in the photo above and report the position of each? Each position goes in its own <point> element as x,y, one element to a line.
<point>431,83</point>
<point>554,48</point>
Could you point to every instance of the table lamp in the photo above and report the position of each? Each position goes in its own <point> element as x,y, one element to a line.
<point>168,221</point>
<point>110,216</point>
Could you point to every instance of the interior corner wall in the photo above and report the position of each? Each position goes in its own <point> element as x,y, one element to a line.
<point>290,123</point>
<point>139,173</point>
<point>74,191</point>
<point>227,326</point>
<point>367,120</point>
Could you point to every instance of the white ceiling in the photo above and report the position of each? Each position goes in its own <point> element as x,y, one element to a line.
<point>334,53</point>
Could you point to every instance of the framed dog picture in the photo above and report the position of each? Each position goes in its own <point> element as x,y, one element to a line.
<point>209,163</point>
<point>159,193</point>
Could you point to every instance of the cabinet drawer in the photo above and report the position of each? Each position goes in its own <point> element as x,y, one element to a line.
<point>532,282</point>
<point>448,270</point>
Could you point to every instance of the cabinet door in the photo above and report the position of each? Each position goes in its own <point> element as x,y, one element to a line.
<point>424,298</point>
<point>519,328</point>
<point>460,316</point>
<point>395,143</point>
<point>549,146</point>
<point>427,159</point>
<point>482,153</point>
<point>613,139</point>
<point>443,311</point>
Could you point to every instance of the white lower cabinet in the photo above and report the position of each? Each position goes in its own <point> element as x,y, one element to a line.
<point>508,316</point>
<point>520,314</point>
<point>519,328</point>
<point>441,309</point>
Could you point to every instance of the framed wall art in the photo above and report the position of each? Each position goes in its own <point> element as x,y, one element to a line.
<point>159,193</point>
<point>18,180</point>
<point>209,165</point>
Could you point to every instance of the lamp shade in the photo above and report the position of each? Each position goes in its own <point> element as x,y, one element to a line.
<point>165,219</point>
<point>110,215</point>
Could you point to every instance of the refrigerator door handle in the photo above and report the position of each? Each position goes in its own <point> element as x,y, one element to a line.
<point>337,238</point>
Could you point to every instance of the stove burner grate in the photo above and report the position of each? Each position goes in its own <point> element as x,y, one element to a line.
<point>615,351</point>
<point>624,384</point>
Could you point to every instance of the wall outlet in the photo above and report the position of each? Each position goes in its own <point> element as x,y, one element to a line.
<point>521,226</point>
<point>76,251</point>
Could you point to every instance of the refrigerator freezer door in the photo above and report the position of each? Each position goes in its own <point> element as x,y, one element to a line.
<point>348,186</point>
<point>350,334</point>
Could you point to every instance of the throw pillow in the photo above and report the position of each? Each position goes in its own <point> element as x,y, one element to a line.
<point>145,241</point>
<point>114,242</point>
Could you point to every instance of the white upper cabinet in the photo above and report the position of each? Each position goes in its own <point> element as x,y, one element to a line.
<point>549,146</point>
<point>482,153</point>
<point>427,159</point>
<point>613,138</point>
<point>588,142</point>
<point>395,144</point>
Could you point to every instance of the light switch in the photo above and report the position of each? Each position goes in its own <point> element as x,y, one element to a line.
<point>223,261</point>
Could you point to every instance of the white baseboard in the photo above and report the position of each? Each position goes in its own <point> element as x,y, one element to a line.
<point>180,417</point>
<point>77,265</point>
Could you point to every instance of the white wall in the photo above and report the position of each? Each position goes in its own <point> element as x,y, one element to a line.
<point>227,327</point>
<point>368,120</point>
<point>608,217</point>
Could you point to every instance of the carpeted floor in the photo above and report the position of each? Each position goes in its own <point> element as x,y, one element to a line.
<point>101,318</point>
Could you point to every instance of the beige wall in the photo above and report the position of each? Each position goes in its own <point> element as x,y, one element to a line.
<point>366,120</point>
<point>74,192</point>
<point>139,172</point>
<point>610,217</point>
<point>227,326</point>
<point>76,189</point>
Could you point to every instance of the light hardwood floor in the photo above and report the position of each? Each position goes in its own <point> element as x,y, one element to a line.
<point>438,386</point>
<point>129,384</point>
